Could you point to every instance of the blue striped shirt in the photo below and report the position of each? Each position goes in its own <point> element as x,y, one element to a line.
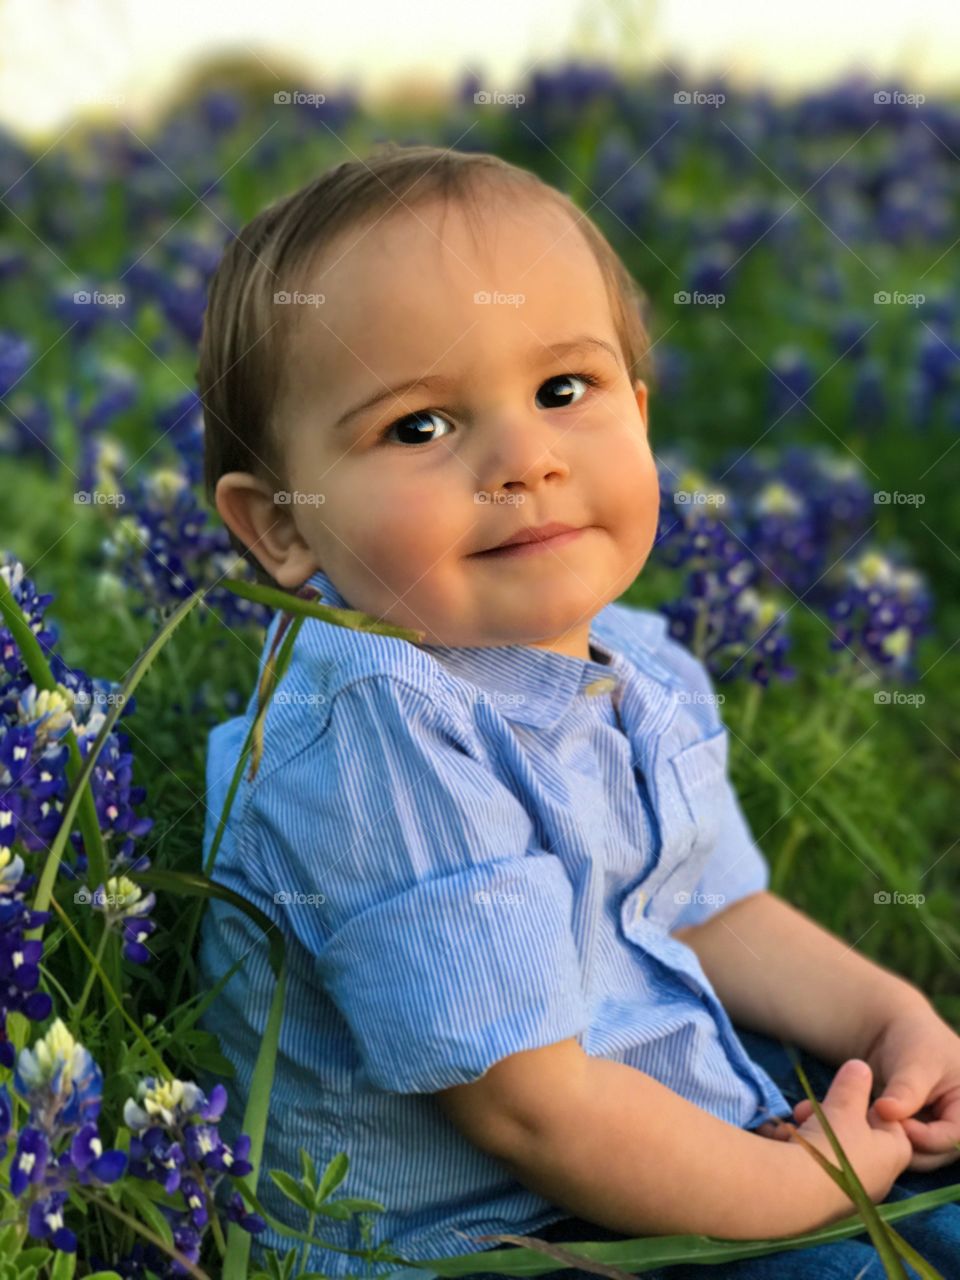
<point>471,852</point>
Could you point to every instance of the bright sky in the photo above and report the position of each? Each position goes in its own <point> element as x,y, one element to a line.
<point>60,57</point>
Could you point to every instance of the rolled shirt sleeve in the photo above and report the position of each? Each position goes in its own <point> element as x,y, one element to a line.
<point>437,926</point>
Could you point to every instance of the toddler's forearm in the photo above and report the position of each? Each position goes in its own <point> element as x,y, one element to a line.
<point>623,1150</point>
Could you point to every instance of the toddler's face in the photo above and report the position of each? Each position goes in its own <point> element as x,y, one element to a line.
<point>509,435</point>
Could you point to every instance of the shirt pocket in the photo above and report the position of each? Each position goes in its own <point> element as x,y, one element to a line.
<point>700,771</point>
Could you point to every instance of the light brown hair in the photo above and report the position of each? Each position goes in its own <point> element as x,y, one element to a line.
<point>241,370</point>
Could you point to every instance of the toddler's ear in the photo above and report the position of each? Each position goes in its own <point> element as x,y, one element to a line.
<point>249,508</point>
<point>640,391</point>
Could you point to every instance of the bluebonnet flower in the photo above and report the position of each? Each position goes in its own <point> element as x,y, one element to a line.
<point>60,1145</point>
<point>123,902</point>
<point>175,1141</point>
<point>781,532</point>
<point>879,610</point>
<point>16,354</point>
<point>34,752</point>
<point>19,959</point>
<point>165,548</point>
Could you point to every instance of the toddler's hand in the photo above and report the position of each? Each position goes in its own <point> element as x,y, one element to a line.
<point>878,1149</point>
<point>916,1058</point>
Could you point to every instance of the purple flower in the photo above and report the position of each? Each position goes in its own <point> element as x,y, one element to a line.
<point>45,1222</point>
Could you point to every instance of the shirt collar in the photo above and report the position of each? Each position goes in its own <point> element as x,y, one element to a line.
<point>530,686</point>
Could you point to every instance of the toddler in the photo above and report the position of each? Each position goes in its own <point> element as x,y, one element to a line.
<point>537,982</point>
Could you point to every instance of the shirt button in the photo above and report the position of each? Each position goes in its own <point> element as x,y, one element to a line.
<point>640,904</point>
<point>606,684</point>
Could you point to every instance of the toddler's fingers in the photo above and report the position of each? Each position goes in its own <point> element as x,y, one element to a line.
<point>803,1110</point>
<point>934,1138</point>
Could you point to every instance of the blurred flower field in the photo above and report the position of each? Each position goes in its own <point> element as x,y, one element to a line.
<point>800,261</point>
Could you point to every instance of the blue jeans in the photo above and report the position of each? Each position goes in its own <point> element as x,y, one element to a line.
<point>935,1233</point>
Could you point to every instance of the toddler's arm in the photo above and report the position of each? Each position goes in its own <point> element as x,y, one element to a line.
<point>615,1146</point>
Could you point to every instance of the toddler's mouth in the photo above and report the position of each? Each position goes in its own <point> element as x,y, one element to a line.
<point>532,540</point>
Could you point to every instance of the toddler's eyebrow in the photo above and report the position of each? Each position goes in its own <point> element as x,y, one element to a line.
<point>539,354</point>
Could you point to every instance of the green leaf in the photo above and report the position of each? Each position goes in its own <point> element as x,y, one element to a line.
<point>35,1257</point>
<point>360,1206</point>
<point>104,1275</point>
<point>292,1189</point>
<point>333,1175</point>
<point>332,1209</point>
<point>309,1171</point>
<point>64,1265</point>
<point>254,1124</point>
<point>304,608</point>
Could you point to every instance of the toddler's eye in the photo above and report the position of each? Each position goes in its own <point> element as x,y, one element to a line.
<point>418,425</point>
<point>568,378</point>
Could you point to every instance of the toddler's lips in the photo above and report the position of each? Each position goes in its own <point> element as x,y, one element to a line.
<point>516,549</point>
